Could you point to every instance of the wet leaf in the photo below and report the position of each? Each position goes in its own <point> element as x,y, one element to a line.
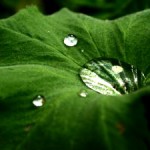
<point>35,61</point>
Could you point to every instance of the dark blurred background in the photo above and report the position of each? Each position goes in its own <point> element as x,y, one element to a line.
<point>104,9</point>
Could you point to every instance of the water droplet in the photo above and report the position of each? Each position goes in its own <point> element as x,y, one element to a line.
<point>83,93</point>
<point>70,40</point>
<point>82,50</point>
<point>38,101</point>
<point>111,76</point>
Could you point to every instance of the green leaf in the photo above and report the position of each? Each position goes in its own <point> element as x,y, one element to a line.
<point>34,61</point>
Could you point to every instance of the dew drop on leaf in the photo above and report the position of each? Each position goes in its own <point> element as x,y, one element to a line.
<point>70,40</point>
<point>111,76</point>
<point>82,50</point>
<point>83,93</point>
<point>38,101</point>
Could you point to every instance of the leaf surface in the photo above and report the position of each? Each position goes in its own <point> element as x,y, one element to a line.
<point>35,61</point>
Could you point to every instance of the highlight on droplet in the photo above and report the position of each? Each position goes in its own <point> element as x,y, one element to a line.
<point>38,101</point>
<point>70,40</point>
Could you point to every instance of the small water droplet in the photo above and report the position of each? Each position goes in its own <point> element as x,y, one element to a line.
<point>82,50</point>
<point>111,76</point>
<point>83,93</point>
<point>70,40</point>
<point>38,101</point>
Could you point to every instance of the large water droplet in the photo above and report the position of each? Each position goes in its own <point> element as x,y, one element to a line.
<point>70,40</point>
<point>38,101</point>
<point>111,76</point>
<point>83,93</point>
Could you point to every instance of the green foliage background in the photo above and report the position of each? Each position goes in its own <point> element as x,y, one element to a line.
<point>98,8</point>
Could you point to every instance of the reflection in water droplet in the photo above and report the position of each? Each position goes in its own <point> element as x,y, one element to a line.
<point>111,76</point>
<point>70,40</point>
<point>83,93</point>
<point>38,101</point>
<point>117,69</point>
